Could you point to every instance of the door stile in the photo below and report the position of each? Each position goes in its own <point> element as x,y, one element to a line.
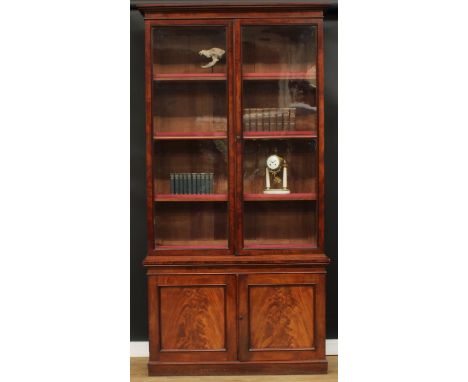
<point>232,120</point>
<point>320,140</point>
<point>237,57</point>
<point>149,138</point>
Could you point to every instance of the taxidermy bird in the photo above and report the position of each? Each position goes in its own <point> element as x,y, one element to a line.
<point>214,53</point>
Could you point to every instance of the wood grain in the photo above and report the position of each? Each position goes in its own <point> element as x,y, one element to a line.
<point>281,317</point>
<point>192,318</point>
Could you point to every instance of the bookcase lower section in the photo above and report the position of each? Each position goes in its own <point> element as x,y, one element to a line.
<point>236,319</point>
<point>237,368</point>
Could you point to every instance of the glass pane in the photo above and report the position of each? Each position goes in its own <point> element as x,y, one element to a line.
<point>190,108</point>
<point>189,71</point>
<point>183,225</point>
<point>190,169</point>
<point>204,160</point>
<point>279,130</point>
<point>299,156</point>
<point>289,224</point>
<point>177,50</point>
<point>286,49</point>
<point>279,72</point>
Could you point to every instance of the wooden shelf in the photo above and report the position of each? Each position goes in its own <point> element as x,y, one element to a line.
<point>279,76</point>
<point>189,77</point>
<point>190,135</point>
<point>273,197</point>
<point>279,245</point>
<point>279,134</point>
<point>183,247</point>
<point>191,198</point>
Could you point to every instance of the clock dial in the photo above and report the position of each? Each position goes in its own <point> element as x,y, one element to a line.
<point>273,162</point>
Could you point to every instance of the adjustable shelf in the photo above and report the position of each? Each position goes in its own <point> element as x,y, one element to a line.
<point>279,134</point>
<point>189,77</point>
<point>191,198</point>
<point>190,135</point>
<point>280,245</point>
<point>188,247</point>
<point>273,197</point>
<point>280,76</point>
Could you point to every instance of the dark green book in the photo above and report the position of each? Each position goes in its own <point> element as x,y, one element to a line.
<point>193,182</point>
<point>176,184</point>
<point>198,182</point>
<point>186,191</point>
<point>203,183</point>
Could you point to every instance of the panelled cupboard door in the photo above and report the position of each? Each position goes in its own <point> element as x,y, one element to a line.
<point>192,318</point>
<point>281,317</point>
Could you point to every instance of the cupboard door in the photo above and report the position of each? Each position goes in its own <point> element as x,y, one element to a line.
<point>281,317</point>
<point>192,318</point>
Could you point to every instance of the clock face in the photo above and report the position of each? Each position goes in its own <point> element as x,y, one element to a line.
<point>273,162</point>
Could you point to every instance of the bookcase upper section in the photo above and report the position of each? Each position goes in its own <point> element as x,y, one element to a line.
<point>230,87</point>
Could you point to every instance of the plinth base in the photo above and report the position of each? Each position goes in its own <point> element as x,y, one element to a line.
<point>237,368</point>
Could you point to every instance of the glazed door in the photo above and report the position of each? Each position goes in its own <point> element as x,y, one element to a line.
<point>190,185</point>
<point>281,317</point>
<point>280,136</point>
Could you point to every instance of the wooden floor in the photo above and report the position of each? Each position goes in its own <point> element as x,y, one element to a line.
<point>138,373</point>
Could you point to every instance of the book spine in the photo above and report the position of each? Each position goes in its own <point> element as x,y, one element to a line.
<point>172,183</point>
<point>201,183</point>
<point>204,183</point>
<point>189,183</point>
<point>293,118</point>
<point>211,183</point>
<point>254,122</point>
<point>193,182</point>
<point>273,119</point>
<point>186,183</point>
<point>284,118</point>
<point>264,118</point>
<point>183,189</point>
<point>176,184</point>
<point>268,118</point>
<point>246,120</point>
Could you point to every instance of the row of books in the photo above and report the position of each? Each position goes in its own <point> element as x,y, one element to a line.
<point>269,119</point>
<point>192,183</point>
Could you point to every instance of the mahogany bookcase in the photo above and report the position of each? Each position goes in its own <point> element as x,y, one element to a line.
<point>236,276</point>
